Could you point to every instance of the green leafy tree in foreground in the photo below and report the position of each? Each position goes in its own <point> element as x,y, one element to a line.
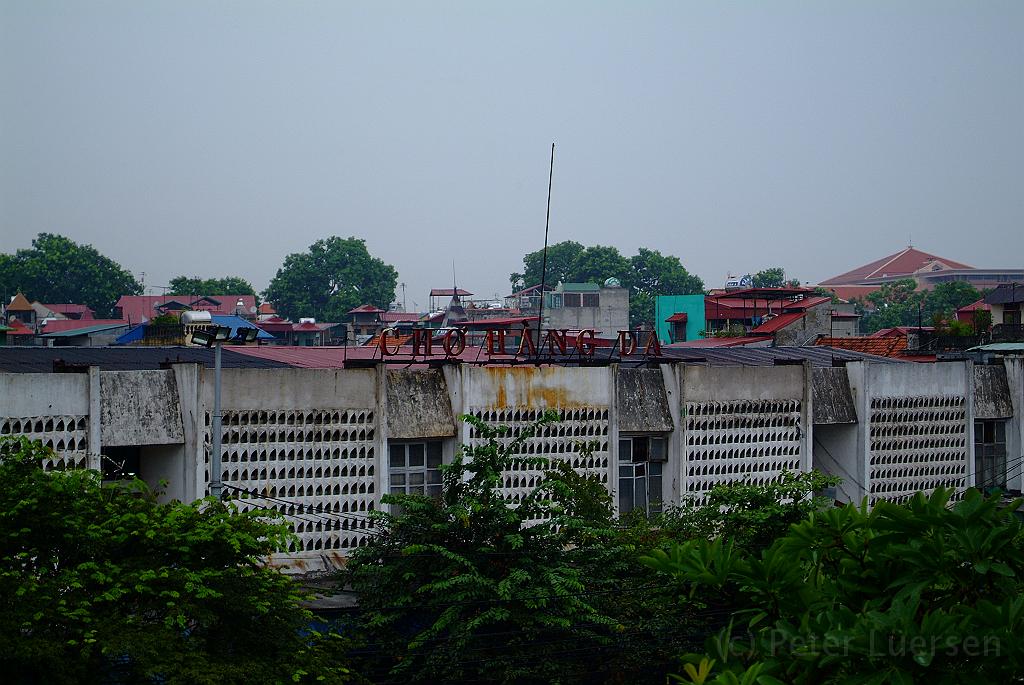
<point>57,270</point>
<point>750,517</point>
<point>477,584</point>
<point>335,276</point>
<point>229,285</point>
<point>461,586</point>
<point>924,592</point>
<point>102,584</point>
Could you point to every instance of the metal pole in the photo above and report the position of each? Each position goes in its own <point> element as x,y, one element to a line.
<point>544,260</point>
<point>216,486</point>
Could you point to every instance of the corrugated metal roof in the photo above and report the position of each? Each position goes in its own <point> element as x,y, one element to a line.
<point>448,292</point>
<point>66,309</point>
<point>722,342</point>
<point>44,359</point>
<point>508,321</point>
<point>580,288</point>
<point>135,308</point>
<point>85,330</point>
<point>59,325</point>
<point>777,323</point>
<point>398,317</point>
<point>770,356</point>
<point>1000,347</point>
<point>1006,294</point>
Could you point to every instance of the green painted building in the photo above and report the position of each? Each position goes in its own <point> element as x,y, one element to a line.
<point>678,318</point>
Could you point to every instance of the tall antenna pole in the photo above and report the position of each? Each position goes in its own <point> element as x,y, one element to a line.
<point>544,261</point>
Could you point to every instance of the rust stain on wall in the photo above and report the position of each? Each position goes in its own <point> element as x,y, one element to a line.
<point>530,386</point>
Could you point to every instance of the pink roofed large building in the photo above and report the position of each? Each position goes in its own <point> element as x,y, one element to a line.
<point>927,269</point>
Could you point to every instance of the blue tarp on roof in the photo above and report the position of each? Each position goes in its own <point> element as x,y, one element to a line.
<point>233,322</point>
<point>133,335</point>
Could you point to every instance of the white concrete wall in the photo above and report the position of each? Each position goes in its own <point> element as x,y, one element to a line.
<point>543,387</point>
<point>835,453</point>
<point>163,469</point>
<point>1015,425</point>
<point>140,408</point>
<point>922,437</point>
<point>43,394</point>
<point>743,424</point>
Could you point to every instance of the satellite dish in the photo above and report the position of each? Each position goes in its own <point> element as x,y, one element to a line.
<point>252,310</point>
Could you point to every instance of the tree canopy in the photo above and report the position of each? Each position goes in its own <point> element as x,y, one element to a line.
<point>656,274</point>
<point>100,583</point>
<point>333,277</point>
<point>647,274</point>
<point>900,303</point>
<point>57,270</point>
<point>193,285</point>
<point>476,585</point>
<point>774,277</point>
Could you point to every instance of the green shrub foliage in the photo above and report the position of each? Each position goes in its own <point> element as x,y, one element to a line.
<point>102,584</point>
<point>924,592</point>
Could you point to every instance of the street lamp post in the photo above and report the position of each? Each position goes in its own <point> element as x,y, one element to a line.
<point>215,337</point>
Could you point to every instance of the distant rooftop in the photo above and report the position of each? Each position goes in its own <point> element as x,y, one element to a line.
<point>906,262</point>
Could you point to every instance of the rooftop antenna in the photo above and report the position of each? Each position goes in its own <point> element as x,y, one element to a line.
<point>544,261</point>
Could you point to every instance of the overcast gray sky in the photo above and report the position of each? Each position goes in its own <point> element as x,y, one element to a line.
<point>214,138</point>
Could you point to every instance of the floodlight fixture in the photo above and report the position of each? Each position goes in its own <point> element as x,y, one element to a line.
<point>221,333</point>
<point>247,335</point>
<point>202,337</point>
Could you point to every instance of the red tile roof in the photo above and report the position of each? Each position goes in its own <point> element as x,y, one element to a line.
<point>975,306</point>
<point>679,317</point>
<point>903,263</point>
<point>882,347</point>
<point>366,309</point>
<point>898,331</point>
<point>267,308</point>
<point>18,328</point>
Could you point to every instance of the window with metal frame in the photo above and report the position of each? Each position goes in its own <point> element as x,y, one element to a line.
<point>990,453</point>
<point>641,462</point>
<point>571,299</point>
<point>414,468</point>
<point>591,300</point>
